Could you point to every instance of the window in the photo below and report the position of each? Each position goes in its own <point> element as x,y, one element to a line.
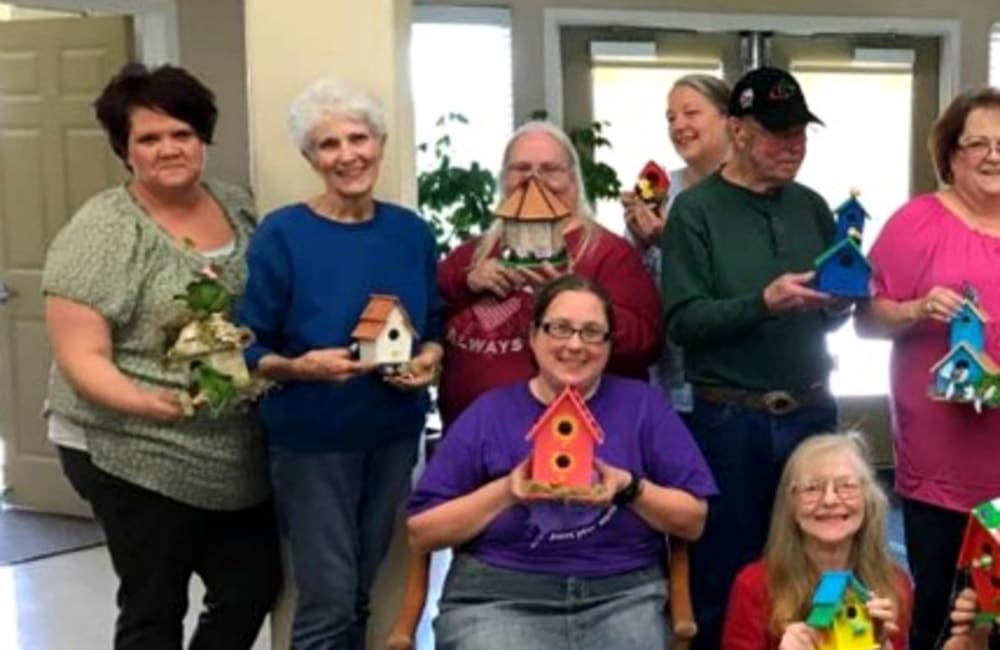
<point>858,104</point>
<point>460,62</point>
<point>995,55</point>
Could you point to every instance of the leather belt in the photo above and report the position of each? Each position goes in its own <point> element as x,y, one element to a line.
<point>775,402</point>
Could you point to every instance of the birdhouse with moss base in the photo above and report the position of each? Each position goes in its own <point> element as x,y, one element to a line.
<point>532,221</point>
<point>980,557</point>
<point>384,334</point>
<point>838,611</point>
<point>967,374</point>
<point>564,440</point>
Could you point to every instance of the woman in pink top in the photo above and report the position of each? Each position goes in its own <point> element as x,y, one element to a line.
<point>932,249</point>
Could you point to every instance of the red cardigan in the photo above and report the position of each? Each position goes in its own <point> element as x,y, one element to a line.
<point>486,340</point>
<point>749,612</point>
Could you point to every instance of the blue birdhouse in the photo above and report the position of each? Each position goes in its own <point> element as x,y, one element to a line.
<point>958,373</point>
<point>851,217</point>
<point>968,326</point>
<point>843,271</point>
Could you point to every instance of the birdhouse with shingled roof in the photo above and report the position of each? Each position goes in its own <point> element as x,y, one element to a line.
<point>564,440</point>
<point>384,334</point>
<point>532,221</point>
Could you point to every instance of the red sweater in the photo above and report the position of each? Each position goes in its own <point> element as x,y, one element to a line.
<point>749,612</point>
<point>486,339</point>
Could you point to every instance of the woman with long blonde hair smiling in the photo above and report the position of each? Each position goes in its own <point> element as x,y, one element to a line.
<point>829,515</point>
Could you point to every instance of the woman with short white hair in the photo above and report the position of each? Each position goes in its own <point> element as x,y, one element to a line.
<point>343,437</point>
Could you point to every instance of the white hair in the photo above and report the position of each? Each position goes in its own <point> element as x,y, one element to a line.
<point>326,98</point>
<point>584,210</point>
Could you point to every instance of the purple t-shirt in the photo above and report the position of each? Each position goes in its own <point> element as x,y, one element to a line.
<point>642,434</point>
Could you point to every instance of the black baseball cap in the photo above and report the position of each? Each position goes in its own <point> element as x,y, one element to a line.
<point>772,97</point>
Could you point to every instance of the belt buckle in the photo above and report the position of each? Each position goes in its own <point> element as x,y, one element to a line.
<point>780,402</point>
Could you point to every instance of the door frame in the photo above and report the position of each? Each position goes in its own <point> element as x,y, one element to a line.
<point>156,22</point>
<point>949,31</point>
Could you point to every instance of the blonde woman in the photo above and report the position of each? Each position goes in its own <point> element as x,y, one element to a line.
<point>829,515</point>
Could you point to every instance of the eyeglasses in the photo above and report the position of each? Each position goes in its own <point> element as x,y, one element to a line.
<point>589,333</point>
<point>812,491</point>
<point>979,148</point>
<point>547,171</point>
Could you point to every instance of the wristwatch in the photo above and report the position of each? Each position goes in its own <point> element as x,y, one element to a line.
<point>629,493</point>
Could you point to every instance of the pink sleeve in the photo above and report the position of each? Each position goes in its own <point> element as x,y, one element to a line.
<point>745,626</point>
<point>901,253</point>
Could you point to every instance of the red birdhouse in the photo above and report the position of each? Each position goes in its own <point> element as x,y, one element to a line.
<point>564,438</point>
<point>653,184</point>
<point>980,556</point>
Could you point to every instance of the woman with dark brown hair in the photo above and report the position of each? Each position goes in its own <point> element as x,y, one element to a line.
<point>936,251</point>
<point>176,496</point>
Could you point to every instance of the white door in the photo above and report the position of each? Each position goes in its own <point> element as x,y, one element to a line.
<point>53,156</point>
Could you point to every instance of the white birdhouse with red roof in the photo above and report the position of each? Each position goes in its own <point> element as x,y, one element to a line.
<point>532,221</point>
<point>564,439</point>
<point>384,334</point>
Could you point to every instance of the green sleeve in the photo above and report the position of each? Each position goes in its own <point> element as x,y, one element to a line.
<point>694,316</point>
<point>94,260</point>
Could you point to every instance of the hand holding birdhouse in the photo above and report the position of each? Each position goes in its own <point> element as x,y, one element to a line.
<point>799,636</point>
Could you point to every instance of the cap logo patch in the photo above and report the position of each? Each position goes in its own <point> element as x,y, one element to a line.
<point>782,90</point>
<point>746,98</point>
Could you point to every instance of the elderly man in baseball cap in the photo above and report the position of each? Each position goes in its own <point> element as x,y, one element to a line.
<point>737,259</point>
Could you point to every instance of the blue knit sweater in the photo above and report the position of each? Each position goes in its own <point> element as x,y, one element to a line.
<point>310,279</point>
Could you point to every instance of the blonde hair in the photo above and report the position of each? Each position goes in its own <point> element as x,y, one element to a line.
<point>792,577</point>
<point>584,211</point>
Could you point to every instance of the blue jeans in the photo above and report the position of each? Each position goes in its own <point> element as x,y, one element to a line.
<point>746,450</point>
<point>488,608</point>
<point>337,511</point>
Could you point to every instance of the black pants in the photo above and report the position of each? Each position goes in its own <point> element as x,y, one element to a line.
<point>157,543</point>
<point>933,540</point>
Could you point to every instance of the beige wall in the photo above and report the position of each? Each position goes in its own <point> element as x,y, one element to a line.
<point>975,16</point>
<point>212,48</point>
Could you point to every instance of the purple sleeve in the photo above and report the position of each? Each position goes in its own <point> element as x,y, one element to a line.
<point>457,467</point>
<point>670,456</point>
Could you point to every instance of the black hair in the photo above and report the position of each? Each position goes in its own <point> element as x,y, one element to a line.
<point>167,89</point>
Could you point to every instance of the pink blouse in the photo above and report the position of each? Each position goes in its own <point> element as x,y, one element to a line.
<point>946,454</point>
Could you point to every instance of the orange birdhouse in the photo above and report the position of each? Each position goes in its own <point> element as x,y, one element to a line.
<point>564,438</point>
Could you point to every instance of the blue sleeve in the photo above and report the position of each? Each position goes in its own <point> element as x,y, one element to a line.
<point>435,304</point>
<point>671,458</point>
<point>458,466</point>
<point>265,302</point>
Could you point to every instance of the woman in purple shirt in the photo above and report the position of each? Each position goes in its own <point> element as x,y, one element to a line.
<point>536,573</point>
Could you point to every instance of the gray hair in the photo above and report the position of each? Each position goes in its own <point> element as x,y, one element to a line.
<point>584,210</point>
<point>715,90</point>
<point>328,97</point>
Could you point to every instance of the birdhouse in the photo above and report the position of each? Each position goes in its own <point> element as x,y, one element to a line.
<point>653,184</point>
<point>843,271</point>
<point>563,443</point>
<point>980,557</point>
<point>838,610</point>
<point>968,326</point>
<point>532,220</point>
<point>851,217</point>
<point>958,376</point>
<point>384,335</point>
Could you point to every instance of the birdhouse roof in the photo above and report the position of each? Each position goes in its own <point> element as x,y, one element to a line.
<point>571,397</point>
<point>375,316</point>
<point>835,250</point>
<point>983,359</point>
<point>852,204</point>
<point>988,515</point>
<point>830,594</point>
<point>530,201</point>
<point>976,310</point>
<point>657,179</point>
